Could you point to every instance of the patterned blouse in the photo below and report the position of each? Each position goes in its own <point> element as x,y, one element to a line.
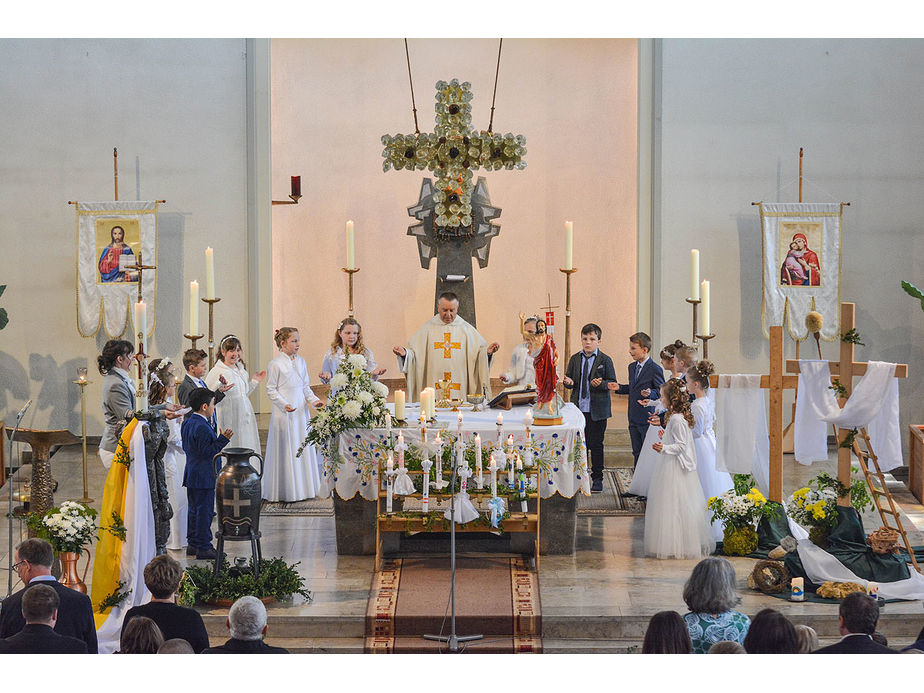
<point>706,630</point>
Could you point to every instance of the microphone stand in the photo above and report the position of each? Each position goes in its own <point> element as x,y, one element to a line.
<point>9,481</point>
<point>453,639</point>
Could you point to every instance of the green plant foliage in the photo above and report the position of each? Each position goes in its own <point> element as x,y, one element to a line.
<point>277,579</point>
<point>851,336</point>
<point>914,292</point>
<point>839,390</point>
<point>848,440</point>
<point>4,318</point>
<point>114,599</point>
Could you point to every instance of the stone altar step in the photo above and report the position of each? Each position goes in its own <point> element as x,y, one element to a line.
<point>559,633</point>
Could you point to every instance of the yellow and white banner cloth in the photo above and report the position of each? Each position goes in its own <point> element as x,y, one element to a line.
<point>111,236</point>
<point>801,265</point>
<point>128,494</point>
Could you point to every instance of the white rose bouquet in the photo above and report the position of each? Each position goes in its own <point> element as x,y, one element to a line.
<point>359,402</point>
<point>68,528</point>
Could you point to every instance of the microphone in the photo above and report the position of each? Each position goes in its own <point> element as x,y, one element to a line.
<point>22,412</point>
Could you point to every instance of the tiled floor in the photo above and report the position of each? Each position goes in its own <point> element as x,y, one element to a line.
<point>607,576</point>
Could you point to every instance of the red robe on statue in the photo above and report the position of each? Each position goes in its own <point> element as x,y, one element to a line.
<point>546,373</point>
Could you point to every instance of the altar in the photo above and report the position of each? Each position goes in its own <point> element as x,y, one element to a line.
<point>558,452</point>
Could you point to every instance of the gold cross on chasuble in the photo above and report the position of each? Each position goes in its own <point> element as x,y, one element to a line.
<point>446,386</point>
<point>447,346</point>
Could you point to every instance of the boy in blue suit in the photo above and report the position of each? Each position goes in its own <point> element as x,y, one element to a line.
<point>590,376</point>
<point>201,444</point>
<point>644,375</point>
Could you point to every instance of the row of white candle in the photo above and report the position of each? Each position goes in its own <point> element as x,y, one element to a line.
<point>699,291</point>
<point>194,291</point>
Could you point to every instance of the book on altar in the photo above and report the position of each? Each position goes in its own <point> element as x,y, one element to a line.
<point>513,395</point>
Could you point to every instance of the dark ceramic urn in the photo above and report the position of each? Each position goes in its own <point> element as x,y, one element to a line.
<point>238,492</point>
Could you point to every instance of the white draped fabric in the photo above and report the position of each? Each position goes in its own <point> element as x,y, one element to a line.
<point>819,223</point>
<point>742,436</point>
<point>102,303</point>
<point>139,546</point>
<point>174,467</point>
<point>873,405</point>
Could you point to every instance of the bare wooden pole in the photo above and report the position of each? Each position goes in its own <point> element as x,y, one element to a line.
<point>800,174</point>
<point>115,171</point>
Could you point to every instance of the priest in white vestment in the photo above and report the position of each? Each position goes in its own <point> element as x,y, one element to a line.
<point>446,344</point>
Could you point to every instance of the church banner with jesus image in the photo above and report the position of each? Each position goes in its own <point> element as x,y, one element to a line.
<point>801,265</point>
<point>112,239</point>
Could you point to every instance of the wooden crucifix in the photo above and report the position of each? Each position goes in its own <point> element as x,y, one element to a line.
<point>140,267</point>
<point>844,371</point>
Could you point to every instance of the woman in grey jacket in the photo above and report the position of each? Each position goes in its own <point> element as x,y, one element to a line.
<point>118,394</point>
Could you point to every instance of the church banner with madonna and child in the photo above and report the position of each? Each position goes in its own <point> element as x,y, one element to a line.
<point>801,265</point>
<point>112,239</point>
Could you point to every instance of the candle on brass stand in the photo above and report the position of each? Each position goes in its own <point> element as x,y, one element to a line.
<point>695,303</point>
<point>350,272</point>
<point>568,272</point>
<point>82,382</point>
<point>193,333</point>
<point>295,195</point>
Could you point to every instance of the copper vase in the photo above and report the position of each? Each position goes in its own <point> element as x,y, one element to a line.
<point>69,576</point>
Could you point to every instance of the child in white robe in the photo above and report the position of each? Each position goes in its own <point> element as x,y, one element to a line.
<point>676,524</point>
<point>286,477</point>
<point>712,481</point>
<point>348,339</point>
<point>235,411</point>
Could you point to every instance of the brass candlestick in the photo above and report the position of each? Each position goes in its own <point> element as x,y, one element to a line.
<point>193,338</point>
<point>350,272</point>
<point>694,302</point>
<point>568,273</point>
<point>82,382</point>
<point>705,338</point>
<point>211,303</point>
<point>293,200</point>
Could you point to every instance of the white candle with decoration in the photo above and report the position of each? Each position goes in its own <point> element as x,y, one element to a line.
<point>510,470</point>
<point>141,319</point>
<point>500,428</point>
<point>528,420</point>
<point>459,428</point>
<point>438,441</point>
<point>522,484</point>
<point>193,307</point>
<point>401,448</point>
<point>209,273</point>
<point>492,467</point>
<point>425,500</point>
<point>694,274</point>
<point>399,405</point>
<point>478,460</point>
<point>798,591</point>
<point>389,473</point>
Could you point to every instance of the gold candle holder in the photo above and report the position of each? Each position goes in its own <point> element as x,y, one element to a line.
<point>705,338</point>
<point>193,338</point>
<point>350,272</point>
<point>82,382</point>
<point>694,302</point>
<point>568,273</point>
<point>293,200</point>
<point>211,303</point>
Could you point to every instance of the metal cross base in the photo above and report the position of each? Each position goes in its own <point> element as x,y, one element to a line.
<point>452,638</point>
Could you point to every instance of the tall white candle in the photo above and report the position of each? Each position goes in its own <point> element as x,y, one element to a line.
<point>438,441</point>
<point>209,273</point>
<point>425,500</point>
<point>493,469</point>
<point>349,244</point>
<point>704,315</point>
<point>510,479</point>
<point>399,405</point>
<point>500,419</point>
<point>569,245</point>
<point>528,418</point>
<point>141,318</point>
<point>388,422</point>
<point>193,307</point>
<point>478,460</point>
<point>460,425</point>
<point>694,274</point>
<point>401,447</point>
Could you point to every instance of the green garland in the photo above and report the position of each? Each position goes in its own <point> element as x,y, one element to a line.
<point>859,496</point>
<point>277,579</point>
<point>839,389</point>
<point>851,336</point>
<point>117,528</point>
<point>114,599</point>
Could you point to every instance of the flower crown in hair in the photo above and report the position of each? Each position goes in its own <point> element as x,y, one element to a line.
<point>226,338</point>
<point>154,378</point>
<point>163,363</point>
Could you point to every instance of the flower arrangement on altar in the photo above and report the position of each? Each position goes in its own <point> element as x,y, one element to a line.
<point>815,505</point>
<point>359,402</point>
<point>68,528</point>
<point>740,509</point>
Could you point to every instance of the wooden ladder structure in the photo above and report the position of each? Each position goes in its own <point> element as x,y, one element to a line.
<point>880,490</point>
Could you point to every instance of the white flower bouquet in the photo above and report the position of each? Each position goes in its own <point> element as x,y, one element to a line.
<point>68,528</point>
<point>359,402</point>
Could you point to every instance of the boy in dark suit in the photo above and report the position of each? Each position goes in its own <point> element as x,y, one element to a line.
<point>589,375</point>
<point>195,361</point>
<point>645,381</point>
<point>201,444</point>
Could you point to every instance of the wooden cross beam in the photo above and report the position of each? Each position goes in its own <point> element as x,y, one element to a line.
<point>844,371</point>
<point>140,267</point>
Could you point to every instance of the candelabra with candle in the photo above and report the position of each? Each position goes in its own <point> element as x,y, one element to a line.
<point>705,339</point>
<point>568,272</point>
<point>695,303</point>
<point>295,195</point>
<point>82,382</point>
<point>211,303</point>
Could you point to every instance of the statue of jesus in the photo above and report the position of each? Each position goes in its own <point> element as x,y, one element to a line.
<point>447,347</point>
